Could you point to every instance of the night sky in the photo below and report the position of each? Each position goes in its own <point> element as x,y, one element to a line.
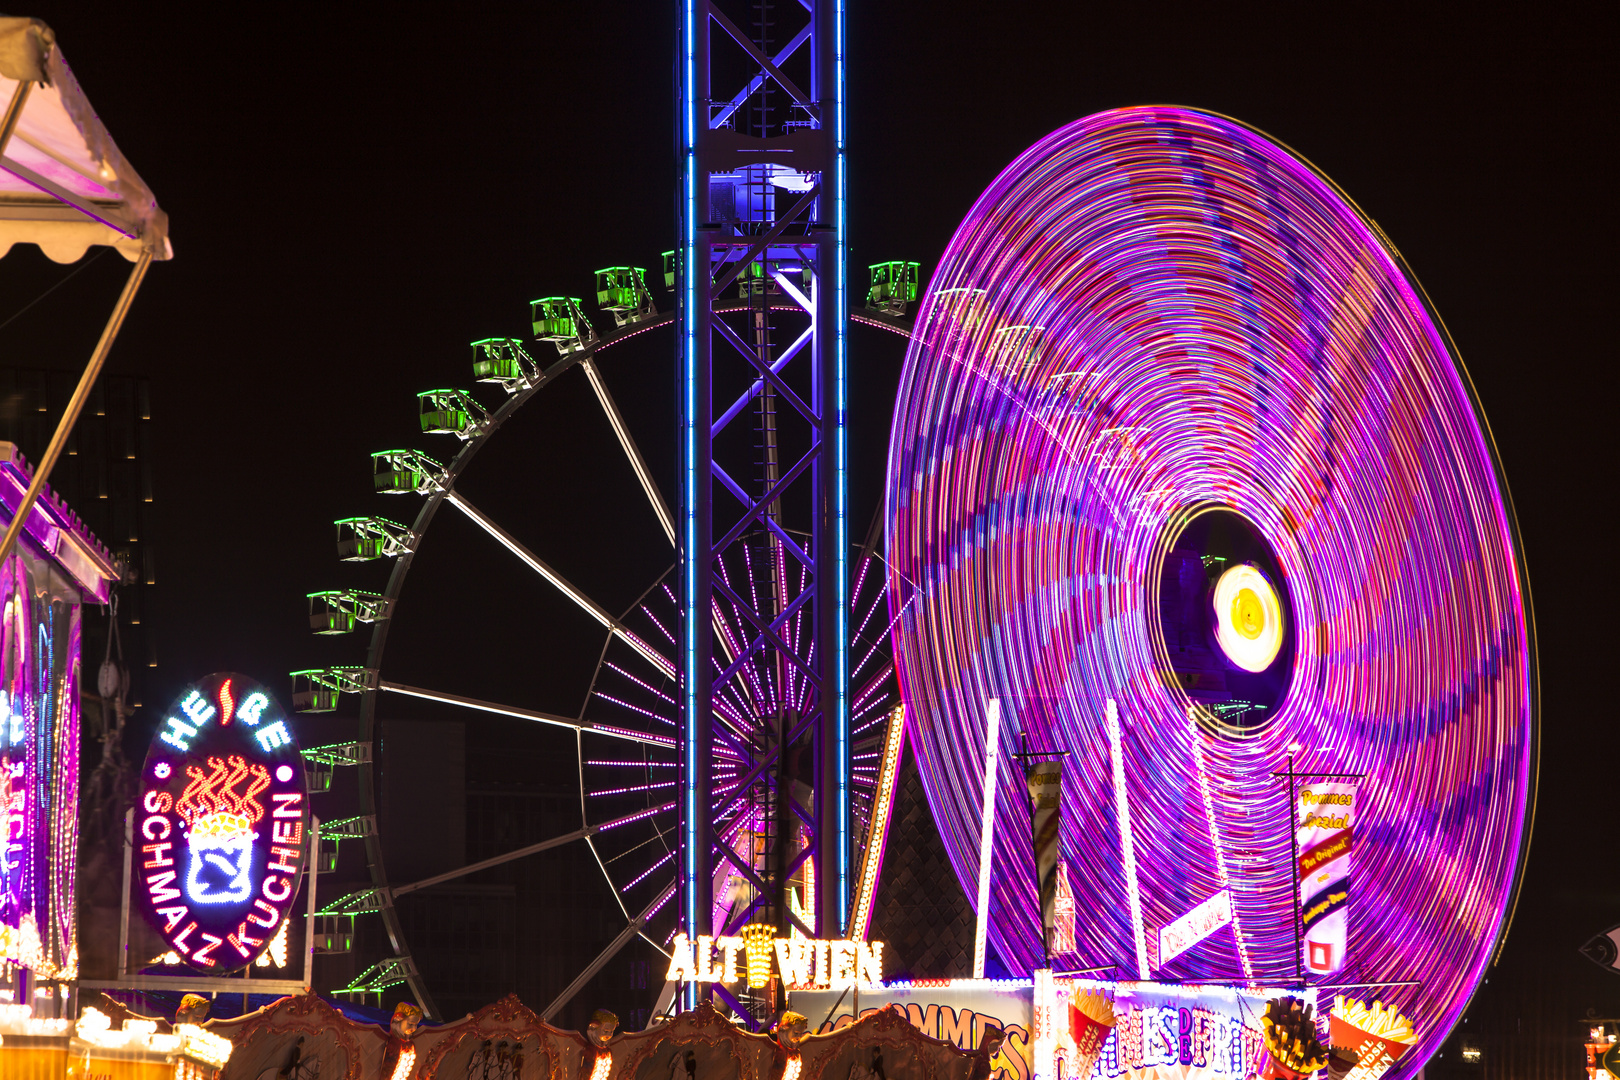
<point>357,192</point>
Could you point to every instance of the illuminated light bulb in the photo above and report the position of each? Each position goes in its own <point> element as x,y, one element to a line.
<point>729,948</point>
<point>277,952</point>
<point>759,943</point>
<point>407,1059</point>
<point>602,1066</point>
<point>795,1064</point>
<point>93,1021</point>
<point>206,1046</point>
<point>1043,1038</point>
<point>1248,618</point>
<point>703,969</point>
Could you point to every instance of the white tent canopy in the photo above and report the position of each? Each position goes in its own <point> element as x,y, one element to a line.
<point>64,185</point>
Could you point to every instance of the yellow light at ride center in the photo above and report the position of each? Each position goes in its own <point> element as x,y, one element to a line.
<point>1248,618</point>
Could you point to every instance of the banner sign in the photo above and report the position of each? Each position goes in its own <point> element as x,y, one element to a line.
<point>220,823</point>
<point>1325,838</point>
<point>1064,907</point>
<point>1045,779</point>
<point>1177,937</point>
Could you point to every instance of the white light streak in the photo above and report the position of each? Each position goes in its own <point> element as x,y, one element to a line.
<point>987,831</point>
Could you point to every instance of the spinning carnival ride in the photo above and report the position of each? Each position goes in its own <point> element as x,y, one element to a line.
<point>1160,347</point>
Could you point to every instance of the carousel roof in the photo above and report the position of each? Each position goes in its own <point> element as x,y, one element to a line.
<point>64,184</point>
<point>57,530</point>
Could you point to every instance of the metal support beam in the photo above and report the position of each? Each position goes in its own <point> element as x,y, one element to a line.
<point>14,111</point>
<point>312,871</point>
<point>123,907</point>
<point>788,266</point>
<point>694,315</point>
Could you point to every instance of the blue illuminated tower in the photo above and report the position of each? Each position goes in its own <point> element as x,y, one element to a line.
<point>762,310</point>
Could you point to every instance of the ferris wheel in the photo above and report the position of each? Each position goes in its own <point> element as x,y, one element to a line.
<point>625,732</point>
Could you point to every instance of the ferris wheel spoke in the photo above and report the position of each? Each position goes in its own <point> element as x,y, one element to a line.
<point>632,929</point>
<point>648,687</point>
<point>594,728</point>
<point>647,873</point>
<point>639,815</point>
<point>637,462</point>
<point>585,833</point>
<point>510,856</point>
<point>864,695</point>
<point>613,886</point>
<point>590,607</point>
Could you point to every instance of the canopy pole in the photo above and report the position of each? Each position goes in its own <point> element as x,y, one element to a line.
<point>19,98</point>
<point>92,371</point>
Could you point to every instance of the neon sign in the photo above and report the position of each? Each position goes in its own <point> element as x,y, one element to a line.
<point>221,823</point>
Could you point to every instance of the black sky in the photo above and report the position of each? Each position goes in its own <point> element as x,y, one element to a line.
<point>357,192</point>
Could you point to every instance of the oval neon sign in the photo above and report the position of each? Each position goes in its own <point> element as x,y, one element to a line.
<point>219,828</point>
